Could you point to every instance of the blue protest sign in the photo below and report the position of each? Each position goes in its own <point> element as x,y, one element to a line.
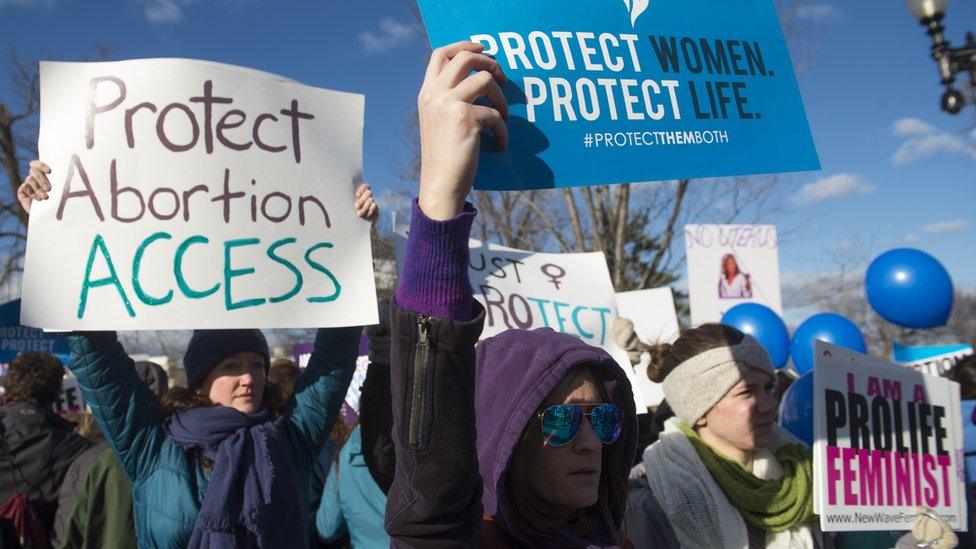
<point>604,91</point>
<point>936,360</point>
<point>16,339</point>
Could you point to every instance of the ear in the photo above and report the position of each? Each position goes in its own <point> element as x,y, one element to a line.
<point>702,422</point>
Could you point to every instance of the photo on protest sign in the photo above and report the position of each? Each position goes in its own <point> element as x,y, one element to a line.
<point>618,92</point>
<point>936,360</point>
<point>887,440</point>
<point>655,321</point>
<point>570,293</point>
<point>189,194</point>
<point>729,265</point>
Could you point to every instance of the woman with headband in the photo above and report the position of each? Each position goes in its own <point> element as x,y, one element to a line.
<point>726,475</point>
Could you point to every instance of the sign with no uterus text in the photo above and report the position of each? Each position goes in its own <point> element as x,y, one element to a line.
<point>189,194</point>
<point>621,91</point>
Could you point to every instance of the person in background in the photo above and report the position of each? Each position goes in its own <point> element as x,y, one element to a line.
<point>283,373</point>
<point>95,502</point>
<point>354,498</point>
<point>37,446</point>
<point>965,375</point>
<point>726,474</point>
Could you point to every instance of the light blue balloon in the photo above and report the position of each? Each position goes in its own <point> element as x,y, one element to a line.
<point>829,327</point>
<point>909,288</point>
<point>796,409</point>
<point>765,325</point>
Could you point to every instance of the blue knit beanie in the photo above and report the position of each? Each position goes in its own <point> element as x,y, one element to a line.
<point>208,347</point>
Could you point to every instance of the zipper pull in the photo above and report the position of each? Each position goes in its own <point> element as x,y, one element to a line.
<point>423,326</point>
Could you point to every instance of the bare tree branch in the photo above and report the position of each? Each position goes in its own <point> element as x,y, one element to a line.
<point>574,219</point>
<point>668,234</point>
<point>620,233</point>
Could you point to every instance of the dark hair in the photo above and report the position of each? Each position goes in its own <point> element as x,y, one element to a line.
<point>34,378</point>
<point>665,357</point>
<point>283,373</point>
<point>533,516</point>
<point>965,375</point>
<point>726,258</point>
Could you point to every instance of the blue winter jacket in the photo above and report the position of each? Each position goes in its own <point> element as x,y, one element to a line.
<point>352,501</point>
<point>168,485</point>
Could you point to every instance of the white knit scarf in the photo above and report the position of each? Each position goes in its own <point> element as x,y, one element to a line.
<point>697,509</point>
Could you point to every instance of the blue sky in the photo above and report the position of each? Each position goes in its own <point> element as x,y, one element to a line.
<point>896,170</point>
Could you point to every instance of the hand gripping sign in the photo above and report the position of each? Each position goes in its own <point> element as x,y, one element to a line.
<point>189,194</point>
<point>604,91</point>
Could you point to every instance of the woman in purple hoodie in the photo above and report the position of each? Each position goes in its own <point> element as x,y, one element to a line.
<point>547,421</point>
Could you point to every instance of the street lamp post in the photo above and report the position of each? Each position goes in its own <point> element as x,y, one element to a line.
<point>951,61</point>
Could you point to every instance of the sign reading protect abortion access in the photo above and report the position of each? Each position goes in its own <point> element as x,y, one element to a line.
<point>611,91</point>
<point>888,441</point>
<point>189,194</point>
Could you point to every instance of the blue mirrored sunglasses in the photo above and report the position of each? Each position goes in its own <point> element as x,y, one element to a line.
<point>562,422</point>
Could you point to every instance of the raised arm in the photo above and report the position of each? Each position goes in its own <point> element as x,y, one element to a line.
<point>123,406</point>
<point>319,391</point>
<point>435,500</point>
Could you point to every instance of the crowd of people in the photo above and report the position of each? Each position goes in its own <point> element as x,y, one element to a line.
<point>526,439</point>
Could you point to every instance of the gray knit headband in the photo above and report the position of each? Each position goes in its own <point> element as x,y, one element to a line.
<point>697,384</point>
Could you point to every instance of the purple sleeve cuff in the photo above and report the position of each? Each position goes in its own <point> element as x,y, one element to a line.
<point>434,281</point>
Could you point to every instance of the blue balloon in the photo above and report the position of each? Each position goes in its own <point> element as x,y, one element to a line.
<point>796,409</point>
<point>829,327</point>
<point>909,288</point>
<point>765,325</point>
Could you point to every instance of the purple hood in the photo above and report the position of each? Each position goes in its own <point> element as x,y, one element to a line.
<point>515,372</point>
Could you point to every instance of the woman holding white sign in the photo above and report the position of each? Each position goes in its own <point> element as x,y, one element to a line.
<point>544,461</point>
<point>225,462</point>
<point>726,474</point>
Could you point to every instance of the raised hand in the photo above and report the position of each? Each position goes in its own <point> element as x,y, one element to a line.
<point>451,124</point>
<point>366,207</point>
<point>35,186</point>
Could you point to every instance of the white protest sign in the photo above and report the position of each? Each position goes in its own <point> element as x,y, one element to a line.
<point>652,312</point>
<point>570,293</point>
<point>189,194</point>
<point>71,400</point>
<point>729,265</point>
<point>887,440</point>
<point>355,390</point>
<point>655,321</point>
